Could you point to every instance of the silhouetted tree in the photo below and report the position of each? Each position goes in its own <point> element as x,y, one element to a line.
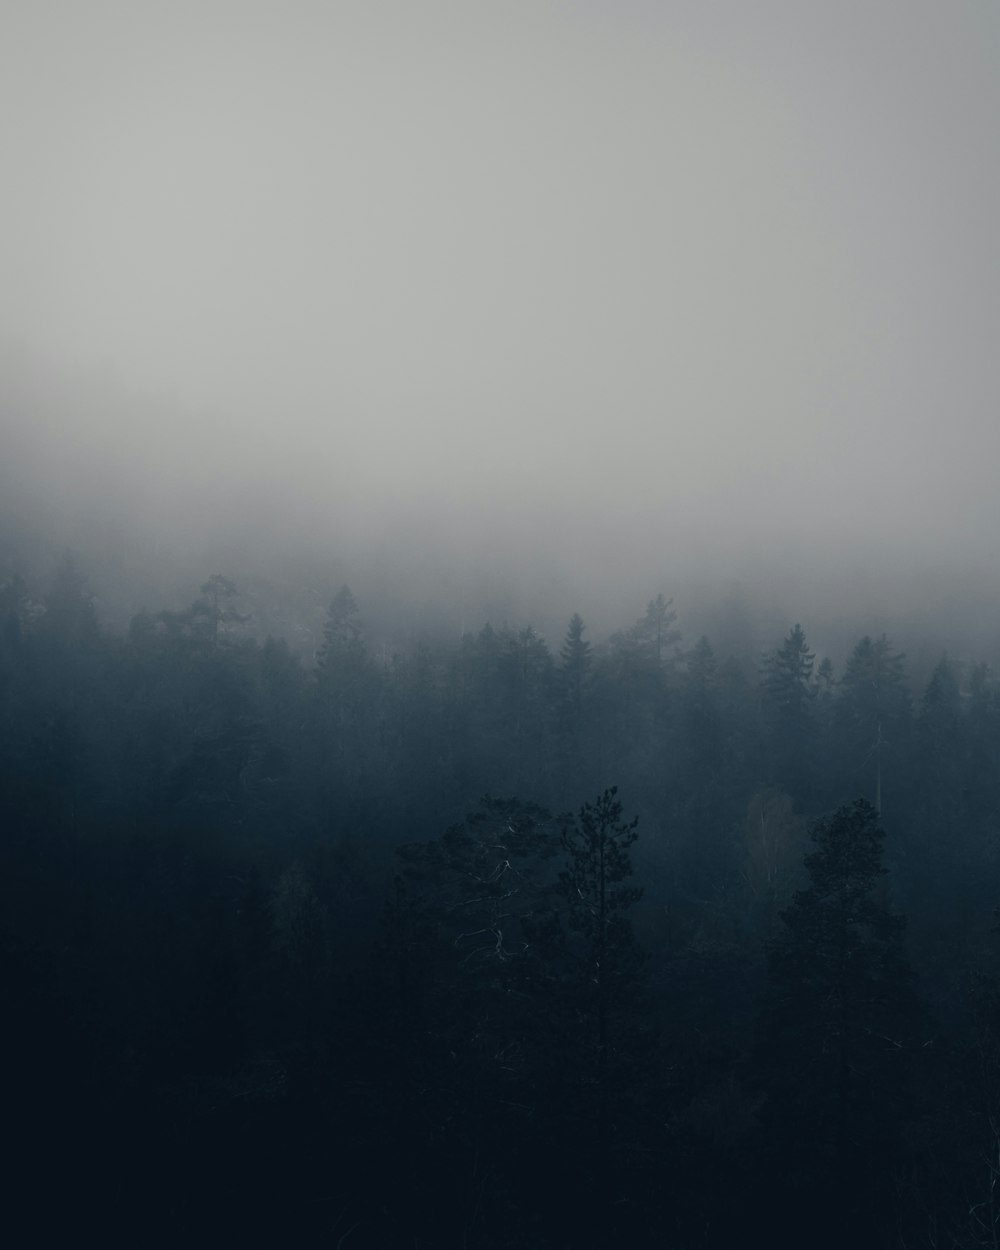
<point>220,606</point>
<point>788,695</point>
<point>872,714</point>
<point>576,661</point>
<point>657,628</point>
<point>839,1032</point>
<point>589,971</point>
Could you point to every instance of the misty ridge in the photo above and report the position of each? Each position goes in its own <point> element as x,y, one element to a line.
<point>499,624</point>
<point>148,518</point>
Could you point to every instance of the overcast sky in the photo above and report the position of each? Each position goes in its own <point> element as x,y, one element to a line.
<point>712,273</point>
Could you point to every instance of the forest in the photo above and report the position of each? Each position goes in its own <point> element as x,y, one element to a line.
<point>499,624</point>
<point>491,942</point>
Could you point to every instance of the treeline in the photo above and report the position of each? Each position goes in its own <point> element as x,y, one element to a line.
<point>276,969</point>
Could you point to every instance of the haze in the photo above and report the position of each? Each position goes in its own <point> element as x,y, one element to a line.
<point>623,289</point>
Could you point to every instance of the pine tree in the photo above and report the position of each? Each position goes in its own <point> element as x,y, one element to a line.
<point>788,676</point>
<point>341,633</point>
<point>69,607</point>
<point>657,628</point>
<point>788,695</point>
<point>596,964</point>
<point>597,848</point>
<point>873,712</point>
<point>576,660</point>
<point>700,746</point>
<point>217,606</point>
<point>839,1025</point>
<point>348,689</point>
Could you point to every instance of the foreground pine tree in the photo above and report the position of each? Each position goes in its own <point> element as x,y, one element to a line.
<point>837,1043</point>
<point>586,979</point>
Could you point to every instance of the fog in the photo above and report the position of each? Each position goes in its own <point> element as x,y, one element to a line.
<point>579,300</point>
<point>421,421</point>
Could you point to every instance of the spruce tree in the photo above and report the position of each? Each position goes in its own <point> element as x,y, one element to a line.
<point>657,628</point>
<point>837,1041</point>
<point>576,659</point>
<point>597,849</point>
<point>788,695</point>
<point>588,987</point>
<point>873,714</point>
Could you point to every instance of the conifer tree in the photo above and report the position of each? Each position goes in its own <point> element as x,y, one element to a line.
<point>217,606</point>
<point>576,659</point>
<point>788,676</point>
<point>788,694</point>
<point>838,1038</point>
<point>699,747</point>
<point>873,712</point>
<point>597,968</point>
<point>658,627</point>
<point>342,640</point>
<point>597,849</point>
<point>348,695</point>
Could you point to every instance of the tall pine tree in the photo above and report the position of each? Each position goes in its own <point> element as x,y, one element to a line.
<point>838,1035</point>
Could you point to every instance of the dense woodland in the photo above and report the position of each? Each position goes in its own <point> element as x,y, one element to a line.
<point>492,942</point>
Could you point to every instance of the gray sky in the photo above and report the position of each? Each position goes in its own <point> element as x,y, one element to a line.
<point>721,275</point>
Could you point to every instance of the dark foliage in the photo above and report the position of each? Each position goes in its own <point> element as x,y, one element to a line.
<point>273,970</point>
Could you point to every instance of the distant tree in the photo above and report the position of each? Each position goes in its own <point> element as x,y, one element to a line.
<point>696,783</point>
<point>788,696</point>
<point>69,606</point>
<point>349,688</point>
<point>873,712</point>
<point>205,622</point>
<point>631,688</point>
<point>701,720</point>
<point>658,628</point>
<point>341,632</point>
<point>576,662</point>
<point>942,746</point>
<point>941,721</point>
<point>826,694</point>
<point>788,676</point>
<point>219,606</point>
<point>67,661</point>
<point>527,668</point>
